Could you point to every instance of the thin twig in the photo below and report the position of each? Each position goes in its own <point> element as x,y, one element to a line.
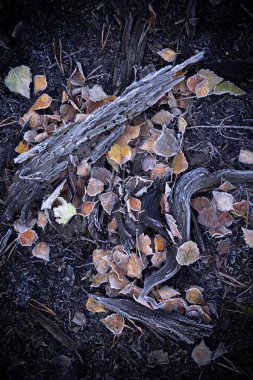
<point>221,126</point>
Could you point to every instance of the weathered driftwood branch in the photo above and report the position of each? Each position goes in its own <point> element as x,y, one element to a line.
<point>87,140</point>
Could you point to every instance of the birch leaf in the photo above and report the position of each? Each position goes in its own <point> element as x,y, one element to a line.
<point>40,83</point>
<point>64,212</point>
<point>201,354</point>
<point>187,253</point>
<point>18,80</point>
<point>115,323</point>
<point>227,87</point>
<point>108,201</point>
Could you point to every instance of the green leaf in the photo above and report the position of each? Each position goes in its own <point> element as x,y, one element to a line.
<point>64,212</point>
<point>227,87</point>
<point>18,80</point>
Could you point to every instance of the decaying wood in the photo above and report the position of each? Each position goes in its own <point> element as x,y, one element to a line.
<point>90,139</point>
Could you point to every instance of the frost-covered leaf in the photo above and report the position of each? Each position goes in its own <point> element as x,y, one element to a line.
<point>77,78</point>
<point>134,267</point>
<point>227,87</point>
<point>87,208</point>
<point>212,78</point>
<point>43,102</point>
<point>167,292</point>
<point>194,296</point>
<point>187,253</point>
<point>115,323</point>
<point>27,237</point>
<point>246,156</point>
<point>120,153</point>
<point>160,243</point>
<point>40,83</point>
<point>223,201</point>
<point>144,243</point>
<point>179,163</point>
<point>64,212</point>
<point>95,186</point>
<point>162,117</point>
<point>201,354</point>
<point>95,306</point>
<point>248,236</point>
<point>166,145</point>
<point>108,201</point>
<point>97,93</point>
<point>134,204</point>
<point>41,251</point>
<point>99,261</point>
<point>18,80</point>
<point>167,54</point>
<point>200,203</point>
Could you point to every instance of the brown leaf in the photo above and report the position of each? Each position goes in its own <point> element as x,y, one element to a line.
<point>102,174</point>
<point>34,122</point>
<point>200,203</point>
<point>179,163</point>
<point>42,220</point>
<point>201,354</point>
<point>159,171</point>
<point>162,118</point>
<point>208,217</point>
<point>194,296</point>
<point>112,227</point>
<point>246,156</point>
<point>219,231</point>
<point>87,208</point>
<point>77,78</point>
<point>182,124</point>
<point>22,147</point>
<point>167,292</point>
<point>98,279</point>
<point>158,258</point>
<point>94,187</point>
<point>92,106</point>
<point>166,145</point>
<point>27,238</point>
<point>41,251</point>
<point>43,102</point>
<point>115,323</point>
<point>115,282</point>
<point>167,54</point>
<point>226,186</point>
<point>94,306</point>
<point>188,253</point>
<point>40,83</point>
<point>160,243</point>
<point>99,261</point>
<point>108,201</point>
<point>148,163</point>
<point>68,112</point>
<point>134,204</point>
<point>240,208</point>
<point>144,243</point>
<point>134,267</point>
<point>83,170</point>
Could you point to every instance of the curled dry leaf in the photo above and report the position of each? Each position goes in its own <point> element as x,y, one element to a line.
<point>169,304</point>
<point>43,102</point>
<point>224,201</point>
<point>159,171</point>
<point>68,112</point>
<point>246,156</point>
<point>131,132</point>
<point>200,203</point>
<point>167,292</point>
<point>194,296</point>
<point>166,145</point>
<point>92,106</point>
<point>182,124</point>
<point>148,144</point>
<point>87,208</point>
<point>248,236</point>
<point>148,163</point>
<point>160,243</point>
<point>41,250</point>
<point>187,253</point>
<point>99,279</point>
<point>144,243</point>
<point>34,120</point>
<point>40,83</point>
<point>18,80</point>
<point>134,204</point>
<point>226,186</point>
<point>209,217</point>
<point>112,227</point>
<point>115,282</point>
<point>27,237</point>
<point>134,267</point>
<point>83,170</point>
<point>96,93</point>
<point>102,174</point>
<point>99,260</point>
<point>198,85</point>
<point>94,306</point>
<point>162,118</point>
<point>167,54</point>
<point>158,258</point>
<point>77,78</point>
<point>219,231</point>
<point>120,153</point>
<point>240,208</point>
<point>179,163</point>
<point>212,78</point>
<point>115,323</point>
<point>201,354</point>
<point>108,201</point>
<point>94,187</point>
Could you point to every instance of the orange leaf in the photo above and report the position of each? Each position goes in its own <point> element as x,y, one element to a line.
<point>160,243</point>
<point>22,147</point>
<point>194,296</point>
<point>115,323</point>
<point>27,238</point>
<point>87,208</point>
<point>41,251</point>
<point>40,83</point>
<point>167,54</point>
<point>43,102</point>
<point>134,267</point>
<point>120,153</point>
<point>94,306</point>
<point>135,204</point>
<point>144,244</point>
<point>179,163</point>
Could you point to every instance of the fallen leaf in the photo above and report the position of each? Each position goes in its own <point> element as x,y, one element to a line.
<point>96,93</point>
<point>34,120</point>
<point>98,279</point>
<point>79,319</point>
<point>120,153</point>
<point>77,78</point>
<point>148,144</point>
<point>112,227</point>
<point>169,304</point>
<point>201,354</point>
<point>22,147</point>
<point>148,163</point>
<point>223,201</point>
<point>246,156</point>
<point>83,170</point>
<point>194,296</point>
<point>27,237</point>
<point>131,132</point>
<point>29,136</point>
<point>209,217</point>
<point>102,174</point>
<point>43,102</point>
<point>64,212</point>
<point>94,187</point>
<point>227,87</point>
<point>248,236</point>
<point>240,208</point>
<point>160,243</point>
<point>182,124</point>
<point>115,323</point>
<point>167,292</point>
<point>144,243</point>
<point>87,208</point>
<point>226,186</point>
<point>166,145</point>
<point>172,226</point>
<point>134,267</point>
<point>115,282</point>
<point>179,163</point>
<point>134,204</point>
<point>212,78</point>
<point>18,80</point>
<point>167,54</point>
<point>42,220</point>
<point>158,258</point>
<point>41,250</point>
<point>193,81</point>
<point>95,306</point>
<point>67,112</point>
<point>162,118</point>
<point>159,171</point>
<point>188,253</point>
<point>200,203</point>
<point>92,106</point>
<point>40,83</point>
<point>99,261</point>
<point>108,201</point>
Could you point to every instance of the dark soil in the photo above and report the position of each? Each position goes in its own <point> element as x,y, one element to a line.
<point>27,351</point>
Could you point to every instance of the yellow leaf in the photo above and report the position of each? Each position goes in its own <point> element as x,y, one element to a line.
<point>40,83</point>
<point>22,147</point>
<point>167,54</point>
<point>120,153</point>
<point>43,102</point>
<point>179,163</point>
